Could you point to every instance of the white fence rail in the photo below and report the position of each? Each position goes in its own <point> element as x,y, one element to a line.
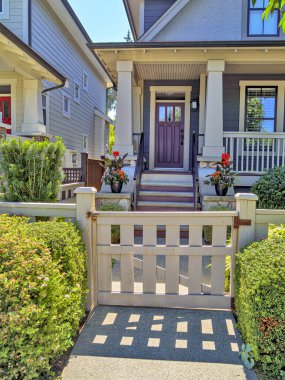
<point>255,152</point>
<point>159,284</point>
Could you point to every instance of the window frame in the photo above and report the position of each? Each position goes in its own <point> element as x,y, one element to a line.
<point>76,99</point>
<point>249,11</point>
<point>264,118</point>
<point>85,87</point>
<point>5,14</point>
<point>66,114</point>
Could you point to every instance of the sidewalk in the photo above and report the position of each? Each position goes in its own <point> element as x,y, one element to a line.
<point>144,343</point>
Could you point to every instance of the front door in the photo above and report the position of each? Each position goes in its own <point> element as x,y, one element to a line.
<point>169,136</point>
<point>5,108</point>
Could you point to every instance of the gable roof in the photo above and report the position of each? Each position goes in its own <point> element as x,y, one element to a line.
<point>132,8</point>
<point>163,20</point>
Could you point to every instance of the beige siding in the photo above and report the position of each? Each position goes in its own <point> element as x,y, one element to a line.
<point>15,21</point>
<point>51,39</point>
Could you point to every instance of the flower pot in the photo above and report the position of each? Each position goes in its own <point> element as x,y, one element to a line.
<point>220,190</point>
<point>116,186</point>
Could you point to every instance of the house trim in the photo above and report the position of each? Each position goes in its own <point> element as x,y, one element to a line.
<point>164,20</point>
<point>280,101</point>
<point>13,83</point>
<point>5,14</point>
<point>153,90</point>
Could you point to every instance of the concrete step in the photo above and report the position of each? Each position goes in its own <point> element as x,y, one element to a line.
<point>166,186</point>
<point>164,209</point>
<point>177,194</point>
<point>165,196</point>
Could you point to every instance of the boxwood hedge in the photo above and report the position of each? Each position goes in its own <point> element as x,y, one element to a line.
<point>42,294</point>
<point>260,301</point>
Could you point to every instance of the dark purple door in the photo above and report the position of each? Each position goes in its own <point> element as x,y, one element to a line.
<point>169,135</point>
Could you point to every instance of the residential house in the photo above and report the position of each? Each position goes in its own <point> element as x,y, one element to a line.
<point>51,84</point>
<point>210,69</point>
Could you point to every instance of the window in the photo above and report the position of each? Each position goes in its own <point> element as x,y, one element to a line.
<point>85,80</point>
<point>262,27</point>
<point>76,92</point>
<point>4,9</point>
<point>261,109</point>
<point>66,105</point>
<point>45,108</point>
<point>85,143</point>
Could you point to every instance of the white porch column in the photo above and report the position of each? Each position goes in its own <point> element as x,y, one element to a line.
<point>137,91</point>
<point>213,144</point>
<point>33,112</point>
<point>124,123</point>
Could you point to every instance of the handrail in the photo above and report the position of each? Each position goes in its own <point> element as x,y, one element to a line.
<point>139,169</point>
<point>195,143</point>
<point>256,135</point>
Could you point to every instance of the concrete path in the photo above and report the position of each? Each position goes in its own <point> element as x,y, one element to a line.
<point>145,343</point>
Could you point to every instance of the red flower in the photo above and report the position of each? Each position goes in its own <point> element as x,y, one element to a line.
<point>226,157</point>
<point>116,153</point>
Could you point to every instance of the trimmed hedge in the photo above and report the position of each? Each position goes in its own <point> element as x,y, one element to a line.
<point>260,300</point>
<point>270,189</point>
<point>42,294</point>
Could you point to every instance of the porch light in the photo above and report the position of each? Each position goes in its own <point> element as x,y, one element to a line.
<point>194,105</point>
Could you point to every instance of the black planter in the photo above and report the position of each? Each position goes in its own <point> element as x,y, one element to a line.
<point>116,186</point>
<point>220,190</point>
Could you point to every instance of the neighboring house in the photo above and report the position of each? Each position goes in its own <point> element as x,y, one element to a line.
<point>197,66</point>
<point>50,82</point>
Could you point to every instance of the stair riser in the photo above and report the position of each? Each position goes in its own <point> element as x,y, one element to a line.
<point>169,209</point>
<point>167,178</point>
<point>165,198</point>
<point>164,188</point>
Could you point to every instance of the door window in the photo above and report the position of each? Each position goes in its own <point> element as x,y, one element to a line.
<point>5,109</point>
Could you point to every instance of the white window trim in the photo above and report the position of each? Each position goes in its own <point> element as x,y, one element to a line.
<point>153,90</point>
<point>85,149</point>
<point>85,88</point>
<point>64,113</point>
<point>47,110</point>
<point>280,101</point>
<point>5,14</point>
<point>77,100</point>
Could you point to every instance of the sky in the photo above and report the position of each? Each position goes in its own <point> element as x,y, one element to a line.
<point>104,20</point>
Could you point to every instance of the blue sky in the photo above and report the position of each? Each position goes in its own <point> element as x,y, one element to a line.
<point>104,20</point>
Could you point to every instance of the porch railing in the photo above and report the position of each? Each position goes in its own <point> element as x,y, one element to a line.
<point>255,152</point>
<point>139,168</point>
<point>72,175</point>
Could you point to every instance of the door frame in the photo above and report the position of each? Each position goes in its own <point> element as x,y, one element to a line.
<point>13,83</point>
<point>170,89</point>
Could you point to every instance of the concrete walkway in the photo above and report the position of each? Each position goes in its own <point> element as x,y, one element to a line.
<point>144,343</point>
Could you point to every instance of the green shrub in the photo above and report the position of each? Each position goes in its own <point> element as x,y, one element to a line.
<point>259,299</point>
<point>42,294</point>
<point>31,170</point>
<point>270,189</point>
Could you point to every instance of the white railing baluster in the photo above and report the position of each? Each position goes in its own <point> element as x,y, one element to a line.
<point>263,154</point>
<point>242,153</point>
<point>257,154</point>
<point>237,155</point>
<point>283,151</point>
<point>252,153</point>
<point>268,155</point>
<point>247,153</point>
<point>227,144</point>
<point>231,147</point>
<point>278,153</point>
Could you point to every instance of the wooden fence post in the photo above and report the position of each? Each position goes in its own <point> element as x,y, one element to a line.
<point>246,208</point>
<point>85,204</point>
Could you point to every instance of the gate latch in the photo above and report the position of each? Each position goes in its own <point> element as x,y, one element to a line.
<point>241,222</point>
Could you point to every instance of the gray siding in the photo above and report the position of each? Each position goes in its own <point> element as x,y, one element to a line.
<point>51,39</point>
<point>232,97</point>
<point>15,21</point>
<point>153,9</point>
<point>194,119</point>
<point>215,20</point>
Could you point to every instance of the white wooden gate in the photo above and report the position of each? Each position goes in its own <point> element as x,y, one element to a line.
<point>164,286</point>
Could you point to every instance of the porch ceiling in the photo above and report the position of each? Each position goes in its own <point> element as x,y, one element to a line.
<point>190,62</point>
